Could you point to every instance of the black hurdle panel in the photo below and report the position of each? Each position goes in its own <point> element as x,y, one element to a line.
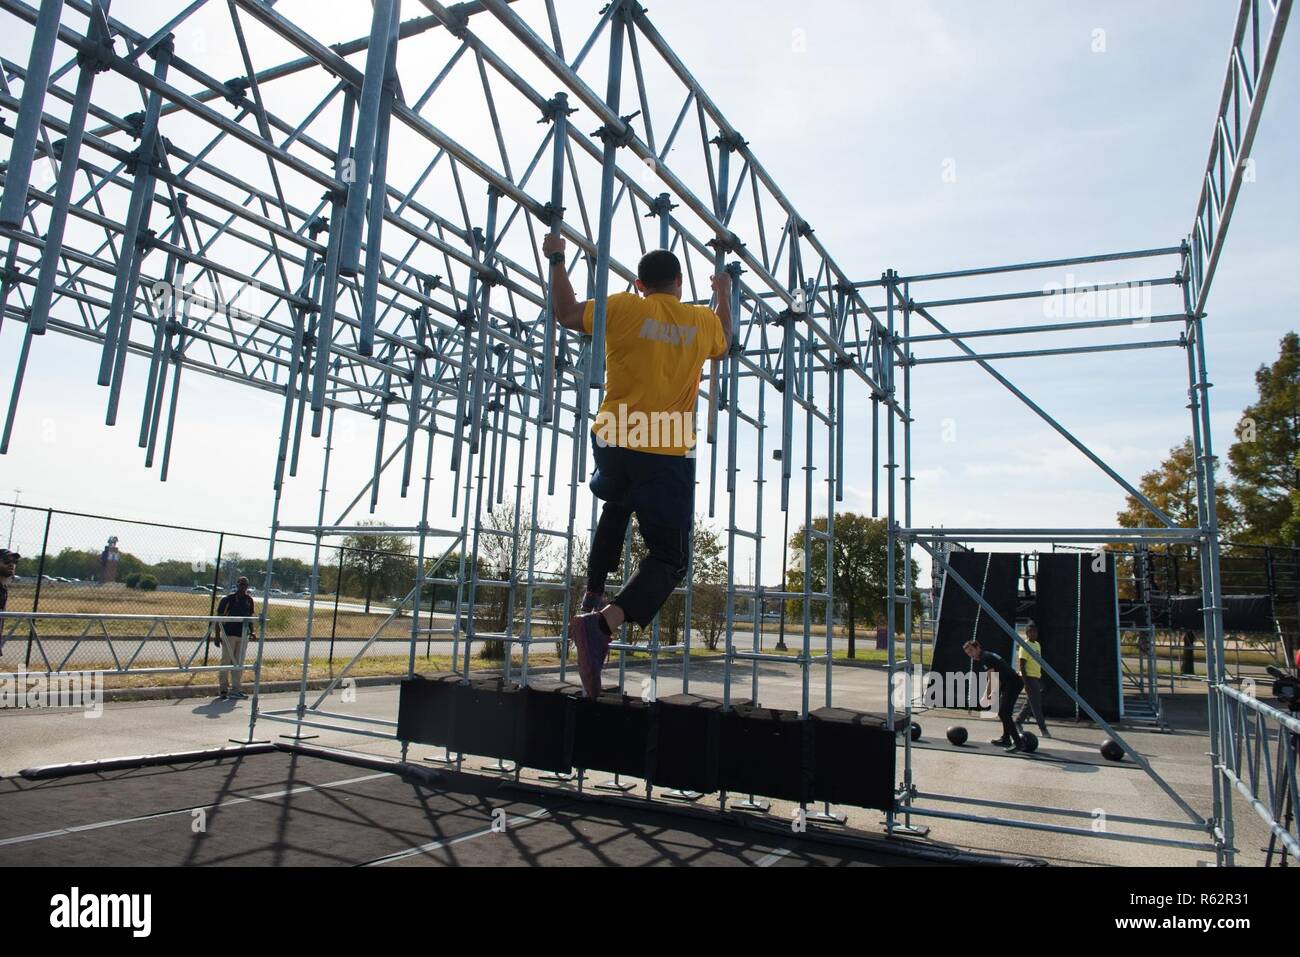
<point>853,755</point>
<point>766,751</point>
<point>614,732</point>
<point>688,745</point>
<point>486,716</point>
<point>548,725</point>
<point>425,706</point>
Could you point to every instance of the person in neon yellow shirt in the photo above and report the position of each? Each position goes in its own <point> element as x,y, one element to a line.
<point>1032,674</point>
<point>643,437</point>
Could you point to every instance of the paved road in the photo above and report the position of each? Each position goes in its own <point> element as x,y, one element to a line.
<point>1066,773</point>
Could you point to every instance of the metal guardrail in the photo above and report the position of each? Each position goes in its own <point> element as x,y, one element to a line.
<point>159,629</point>
<point>1260,763</point>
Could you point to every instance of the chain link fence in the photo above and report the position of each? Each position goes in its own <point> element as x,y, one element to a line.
<point>127,594</point>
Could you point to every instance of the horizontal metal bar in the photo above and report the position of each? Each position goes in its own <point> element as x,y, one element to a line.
<point>1056,828</point>
<point>347,717</point>
<point>1264,812</point>
<point>1289,721</point>
<point>103,616</point>
<point>1133,322</point>
<point>1064,351</point>
<point>1029,266</point>
<point>1063,811</point>
<point>367,530</point>
<point>324,726</point>
<point>15,675</point>
<point>788,659</point>
<point>1045,293</point>
<point>1059,534</point>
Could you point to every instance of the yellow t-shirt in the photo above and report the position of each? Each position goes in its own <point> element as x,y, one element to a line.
<point>654,350</point>
<point>1032,668</point>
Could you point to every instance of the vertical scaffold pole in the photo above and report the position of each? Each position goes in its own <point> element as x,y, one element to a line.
<point>733,270</point>
<point>1221,742</point>
<point>363,153</point>
<point>117,328</point>
<point>608,165</point>
<point>330,282</point>
<point>559,116</point>
<point>90,66</point>
<point>13,205</point>
<point>378,192</point>
<point>886,378</point>
<point>909,611</point>
<point>315,572</point>
<point>719,258</point>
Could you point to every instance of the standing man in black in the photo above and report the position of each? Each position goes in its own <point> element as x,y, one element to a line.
<point>234,638</point>
<point>8,568</point>
<point>1009,686</point>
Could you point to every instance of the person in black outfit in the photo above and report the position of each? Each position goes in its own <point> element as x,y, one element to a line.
<point>8,568</point>
<point>1009,687</point>
<point>234,638</point>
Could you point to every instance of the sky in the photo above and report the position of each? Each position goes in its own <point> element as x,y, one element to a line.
<point>917,136</point>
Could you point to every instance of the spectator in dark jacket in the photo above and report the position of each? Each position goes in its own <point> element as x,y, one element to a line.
<point>8,567</point>
<point>234,639</point>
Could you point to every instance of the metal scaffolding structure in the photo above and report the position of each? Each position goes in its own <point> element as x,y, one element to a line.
<point>218,229</point>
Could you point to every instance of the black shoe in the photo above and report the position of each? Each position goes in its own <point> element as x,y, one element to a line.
<point>1012,748</point>
<point>1045,733</point>
<point>1001,742</point>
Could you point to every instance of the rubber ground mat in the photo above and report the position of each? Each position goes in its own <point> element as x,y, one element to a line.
<point>286,809</point>
<point>29,806</point>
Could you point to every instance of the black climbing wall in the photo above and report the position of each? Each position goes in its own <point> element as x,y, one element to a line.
<point>994,575</point>
<point>1075,613</point>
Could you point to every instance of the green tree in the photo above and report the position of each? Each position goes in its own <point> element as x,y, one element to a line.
<point>77,563</point>
<point>504,557</point>
<point>377,563</point>
<point>179,572</point>
<point>1291,527</point>
<point>859,570</point>
<point>708,583</point>
<point>1172,489</point>
<point>1263,460</point>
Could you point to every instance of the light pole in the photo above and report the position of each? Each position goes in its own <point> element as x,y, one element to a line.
<point>13,514</point>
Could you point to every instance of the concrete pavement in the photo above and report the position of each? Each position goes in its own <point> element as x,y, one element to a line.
<point>1067,772</point>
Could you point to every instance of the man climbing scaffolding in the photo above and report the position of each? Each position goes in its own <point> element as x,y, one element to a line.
<point>643,438</point>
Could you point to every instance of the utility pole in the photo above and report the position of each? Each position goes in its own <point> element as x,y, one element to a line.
<point>13,514</point>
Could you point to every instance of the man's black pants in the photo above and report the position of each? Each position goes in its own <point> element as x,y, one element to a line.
<point>660,491</point>
<point>1008,692</point>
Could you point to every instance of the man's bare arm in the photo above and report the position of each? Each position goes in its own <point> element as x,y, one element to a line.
<point>568,310</point>
<point>722,295</point>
